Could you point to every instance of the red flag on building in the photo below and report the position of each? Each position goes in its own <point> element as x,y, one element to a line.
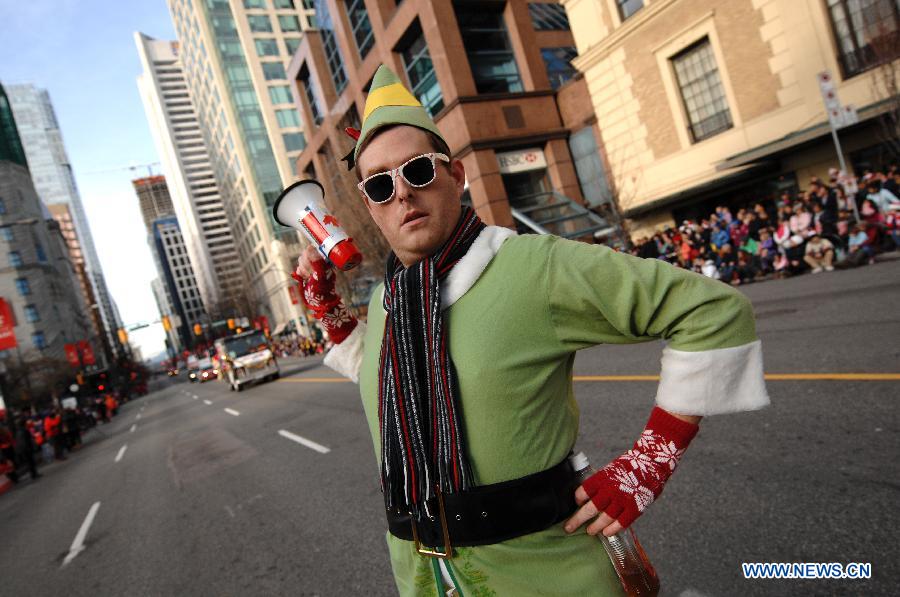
<point>72,354</point>
<point>7,326</point>
<point>87,352</point>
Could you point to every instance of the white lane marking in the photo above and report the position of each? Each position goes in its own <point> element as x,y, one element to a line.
<point>138,417</point>
<point>303,441</point>
<point>121,452</point>
<point>195,396</point>
<point>78,543</point>
<point>133,427</point>
<point>232,412</point>
<point>207,402</point>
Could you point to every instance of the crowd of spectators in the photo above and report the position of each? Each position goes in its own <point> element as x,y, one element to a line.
<point>28,439</point>
<point>299,346</point>
<point>814,230</point>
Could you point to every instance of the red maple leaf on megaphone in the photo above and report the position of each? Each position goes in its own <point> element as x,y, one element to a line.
<point>330,220</point>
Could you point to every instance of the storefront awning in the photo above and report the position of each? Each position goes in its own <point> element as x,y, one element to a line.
<point>702,190</point>
<point>796,139</point>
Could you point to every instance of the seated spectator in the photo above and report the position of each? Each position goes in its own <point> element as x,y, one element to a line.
<point>709,269</point>
<point>747,269</point>
<point>802,222</point>
<point>819,254</point>
<point>726,263</point>
<point>720,236</point>
<point>881,197</point>
<point>860,249</point>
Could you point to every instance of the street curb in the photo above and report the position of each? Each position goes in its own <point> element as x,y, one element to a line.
<point>5,484</point>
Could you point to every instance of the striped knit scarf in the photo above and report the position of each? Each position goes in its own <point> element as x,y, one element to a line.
<point>422,443</point>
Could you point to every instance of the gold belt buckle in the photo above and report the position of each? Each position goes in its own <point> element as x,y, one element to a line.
<point>433,553</point>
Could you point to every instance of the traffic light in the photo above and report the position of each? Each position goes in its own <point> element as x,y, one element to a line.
<point>230,324</point>
<point>123,336</point>
<point>198,330</point>
<point>167,324</point>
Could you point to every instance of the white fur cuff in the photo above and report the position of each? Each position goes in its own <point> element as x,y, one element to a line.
<point>346,357</point>
<point>712,382</point>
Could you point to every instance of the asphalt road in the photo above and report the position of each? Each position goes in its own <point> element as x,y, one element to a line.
<point>195,499</point>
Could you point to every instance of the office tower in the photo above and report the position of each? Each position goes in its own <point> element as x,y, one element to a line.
<point>186,164</point>
<point>170,255</point>
<point>55,183</point>
<point>37,280</point>
<point>177,276</point>
<point>234,56</point>
<point>63,216</point>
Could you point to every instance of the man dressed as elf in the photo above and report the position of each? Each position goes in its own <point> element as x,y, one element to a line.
<point>465,372</point>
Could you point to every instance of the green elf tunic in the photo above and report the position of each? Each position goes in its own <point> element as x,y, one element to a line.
<point>518,308</point>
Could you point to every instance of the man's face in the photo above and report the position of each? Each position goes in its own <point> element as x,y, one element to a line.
<point>416,221</point>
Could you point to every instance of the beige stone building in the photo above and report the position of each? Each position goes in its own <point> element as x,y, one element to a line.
<point>700,102</point>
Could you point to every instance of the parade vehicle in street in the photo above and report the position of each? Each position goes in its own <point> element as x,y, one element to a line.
<point>206,371</point>
<point>245,358</point>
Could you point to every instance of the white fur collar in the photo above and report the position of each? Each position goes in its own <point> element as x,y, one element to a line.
<point>468,269</point>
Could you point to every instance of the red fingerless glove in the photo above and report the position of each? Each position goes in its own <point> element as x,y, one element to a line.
<point>320,297</point>
<point>627,485</point>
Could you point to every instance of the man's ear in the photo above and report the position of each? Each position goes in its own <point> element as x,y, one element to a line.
<point>458,172</point>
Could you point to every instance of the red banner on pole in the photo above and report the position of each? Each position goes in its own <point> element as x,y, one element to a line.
<point>72,354</point>
<point>7,326</point>
<point>87,353</point>
<point>294,292</point>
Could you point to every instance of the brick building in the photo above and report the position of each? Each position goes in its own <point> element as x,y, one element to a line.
<point>497,79</point>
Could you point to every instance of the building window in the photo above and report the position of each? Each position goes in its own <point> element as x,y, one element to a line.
<point>589,167</point>
<point>6,233</point>
<point>287,118</point>
<point>31,314</point>
<point>288,23</point>
<point>867,33</point>
<point>559,64</point>
<point>23,286</point>
<point>311,99</point>
<point>273,71</point>
<point>259,23</point>
<point>2,206</point>
<point>422,78</point>
<point>332,52</point>
<point>39,341</point>
<point>284,3</point>
<point>294,141</point>
<point>280,94</point>
<point>254,3</point>
<point>291,43</point>
<point>15,259</point>
<point>361,26</point>
<point>39,250</point>
<point>548,17</point>
<point>628,7</point>
<point>487,47</point>
<point>266,47</point>
<point>702,91</point>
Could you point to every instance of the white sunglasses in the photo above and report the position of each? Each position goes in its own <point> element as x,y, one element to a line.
<point>418,172</point>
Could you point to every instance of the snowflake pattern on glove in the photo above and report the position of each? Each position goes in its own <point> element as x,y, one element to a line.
<point>626,486</point>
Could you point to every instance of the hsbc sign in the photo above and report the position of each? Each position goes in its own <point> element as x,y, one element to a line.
<point>522,160</point>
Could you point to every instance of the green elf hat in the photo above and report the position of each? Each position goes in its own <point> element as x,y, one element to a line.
<point>388,103</point>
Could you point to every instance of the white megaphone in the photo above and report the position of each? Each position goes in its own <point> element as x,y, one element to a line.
<point>302,206</point>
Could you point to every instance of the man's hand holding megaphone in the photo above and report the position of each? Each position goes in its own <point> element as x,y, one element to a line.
<point>316,278</point>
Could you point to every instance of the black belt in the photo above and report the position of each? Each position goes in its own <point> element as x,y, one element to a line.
<point>491,513</point>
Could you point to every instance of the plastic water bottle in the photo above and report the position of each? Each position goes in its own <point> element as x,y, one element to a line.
<point>630,561</point>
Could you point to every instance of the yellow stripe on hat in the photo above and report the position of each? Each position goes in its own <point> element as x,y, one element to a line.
<point>394,94</point>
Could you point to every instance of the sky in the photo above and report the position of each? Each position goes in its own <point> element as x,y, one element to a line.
<point>83,53</point>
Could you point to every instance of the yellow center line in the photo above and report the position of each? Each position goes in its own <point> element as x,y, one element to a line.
<point>769,377</point>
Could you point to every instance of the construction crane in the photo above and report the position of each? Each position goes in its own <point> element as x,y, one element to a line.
<point>133,167</point>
